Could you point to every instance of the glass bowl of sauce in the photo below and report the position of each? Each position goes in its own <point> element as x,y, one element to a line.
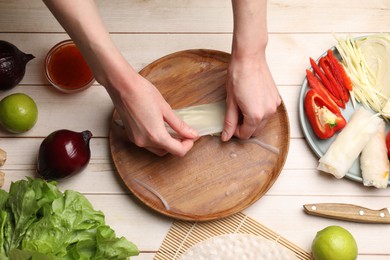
<point>66,69</point>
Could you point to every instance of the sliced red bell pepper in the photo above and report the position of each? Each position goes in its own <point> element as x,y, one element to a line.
<point>346,80</point>
<point>328,86</point>
<point>325,66</point>
<point>333,65</point>
<point>324,118</point>
<point>317,85</point>
<point>319,72</point>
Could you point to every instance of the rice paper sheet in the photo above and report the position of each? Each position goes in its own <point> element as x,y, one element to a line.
<point>374,162</point>
<point>238,246</point>
<point>349,143</point>
<point>206,119</point>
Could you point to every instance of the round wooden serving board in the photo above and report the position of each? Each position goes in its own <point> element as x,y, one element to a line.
<point>214,179</point>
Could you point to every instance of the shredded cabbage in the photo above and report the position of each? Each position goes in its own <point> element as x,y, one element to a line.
<point>367,62</point>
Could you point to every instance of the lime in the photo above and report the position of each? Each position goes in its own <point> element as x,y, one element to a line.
<point>334,243</point>
<point>18,113</point>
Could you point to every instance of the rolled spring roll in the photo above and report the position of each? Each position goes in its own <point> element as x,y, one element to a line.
<point>374,161</point>
<point>349,143</point>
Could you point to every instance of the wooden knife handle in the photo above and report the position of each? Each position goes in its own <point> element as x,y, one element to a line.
<point>348,212</point>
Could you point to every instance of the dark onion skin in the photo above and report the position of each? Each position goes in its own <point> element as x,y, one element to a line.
<point>63,154</point>
<point>12,65</point>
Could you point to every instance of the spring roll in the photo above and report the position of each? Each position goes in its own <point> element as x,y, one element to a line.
<point>349,143</point>
<point>206,119</point>
<point>374,162</point>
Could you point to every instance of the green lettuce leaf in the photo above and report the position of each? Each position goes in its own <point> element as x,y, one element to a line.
<point>27,199</point>
<point>70,217</point>
<point>17,254</point>
<point>111,247</point>
<point>37,219</point>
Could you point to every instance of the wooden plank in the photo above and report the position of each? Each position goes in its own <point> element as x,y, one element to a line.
<point>177,16</point>
<point>22,152</point>
<point>96,104</point>
<point>102,178</point>
<point>328,16</point>
<point>287,54</point>
<point>289,183</point>
<point>87,110</point>
<point>62,111</point>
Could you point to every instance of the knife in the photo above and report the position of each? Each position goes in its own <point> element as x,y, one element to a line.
<point>348,212</point>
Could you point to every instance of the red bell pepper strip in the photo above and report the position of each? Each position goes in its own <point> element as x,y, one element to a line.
<point>323,117</point>
<point>316,84</point>
<point>333,93</point>
<point>337,76</point>
<point>325,66</point>
<point>346,80</point>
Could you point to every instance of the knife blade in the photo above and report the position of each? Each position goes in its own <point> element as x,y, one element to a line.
<point>348,212</point>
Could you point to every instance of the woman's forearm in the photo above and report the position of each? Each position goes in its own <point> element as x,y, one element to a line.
<point>82,21</point>
<point>129,91</point>
<point>252,95</point>
<point>250,34</point>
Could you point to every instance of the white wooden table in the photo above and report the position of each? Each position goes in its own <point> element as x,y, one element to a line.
<point>147,30</point>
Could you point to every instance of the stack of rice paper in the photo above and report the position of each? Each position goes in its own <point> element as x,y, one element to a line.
<point>238,246</point>
<point>363,135</point>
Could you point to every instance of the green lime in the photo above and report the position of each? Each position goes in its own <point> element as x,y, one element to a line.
<point>18,113</point>
<point>334,243</point>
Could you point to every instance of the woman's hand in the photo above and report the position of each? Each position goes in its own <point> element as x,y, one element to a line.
<point>252,97</point>
<point>144,113</point>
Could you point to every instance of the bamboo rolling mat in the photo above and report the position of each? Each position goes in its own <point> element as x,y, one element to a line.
<point>183,235</point>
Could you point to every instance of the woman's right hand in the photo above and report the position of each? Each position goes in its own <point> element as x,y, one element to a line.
<point>144,113</point>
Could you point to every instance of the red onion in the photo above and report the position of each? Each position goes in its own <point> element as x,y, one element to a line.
<point>63,153</point>
<point>12,65</point>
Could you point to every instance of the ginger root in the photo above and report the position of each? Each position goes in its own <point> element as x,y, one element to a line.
<point>2,175</point>
<point>3,157</point>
